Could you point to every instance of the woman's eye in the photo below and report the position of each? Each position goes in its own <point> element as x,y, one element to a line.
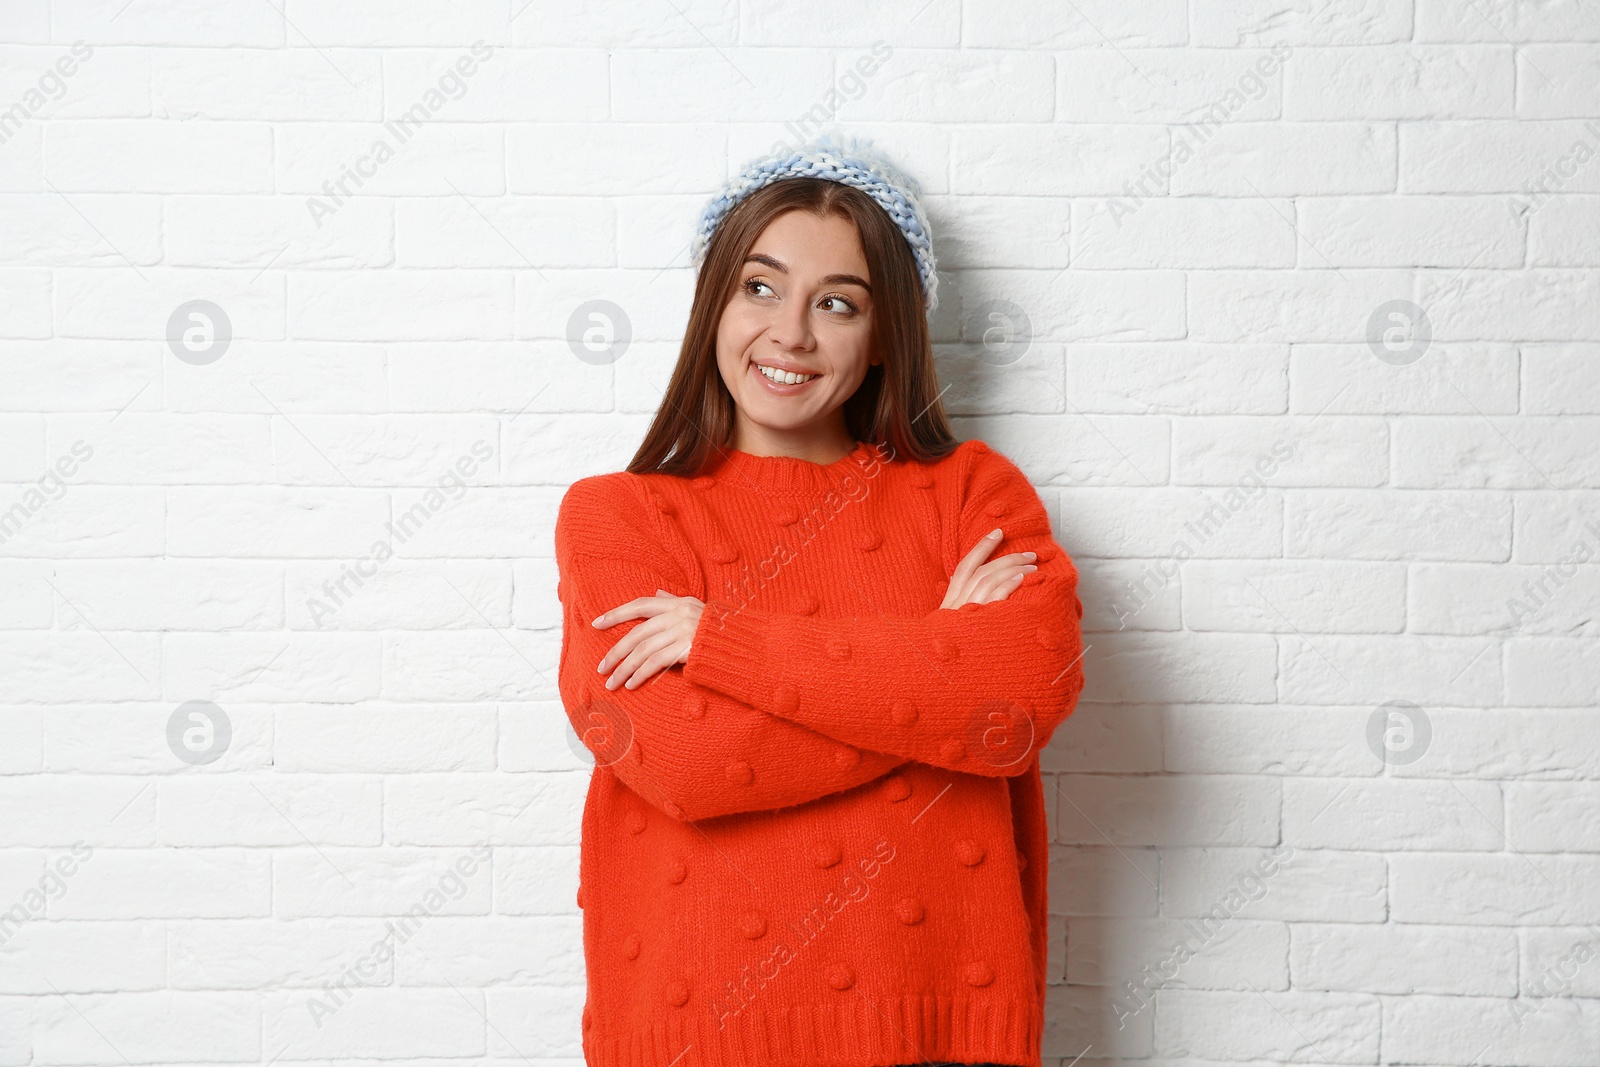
<point>753,287</point>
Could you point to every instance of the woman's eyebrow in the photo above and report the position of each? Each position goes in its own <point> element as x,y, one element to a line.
<point>832,279</point>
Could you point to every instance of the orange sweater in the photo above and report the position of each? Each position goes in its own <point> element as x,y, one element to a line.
<point>821,840</point>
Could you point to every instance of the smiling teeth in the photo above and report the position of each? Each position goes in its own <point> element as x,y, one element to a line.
<point>783,377</point>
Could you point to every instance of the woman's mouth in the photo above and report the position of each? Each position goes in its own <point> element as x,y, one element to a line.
<point>783,383</point>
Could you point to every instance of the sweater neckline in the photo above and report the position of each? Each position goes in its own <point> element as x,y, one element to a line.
<point>789,473</point>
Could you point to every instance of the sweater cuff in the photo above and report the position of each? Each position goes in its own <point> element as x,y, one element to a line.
<point>729,653</point>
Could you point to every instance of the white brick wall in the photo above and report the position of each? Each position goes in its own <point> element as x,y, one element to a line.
<point>1200,207</point>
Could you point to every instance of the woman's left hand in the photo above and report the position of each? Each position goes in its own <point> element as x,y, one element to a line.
<point>660,641</point>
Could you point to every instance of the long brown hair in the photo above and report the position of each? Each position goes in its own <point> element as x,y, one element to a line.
<point>897,403</point>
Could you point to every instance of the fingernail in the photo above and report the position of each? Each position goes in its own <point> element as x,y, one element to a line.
<point>1030,567</point>
<point>995,532</point>
<point>1031,555</point>
<point>596,621</point>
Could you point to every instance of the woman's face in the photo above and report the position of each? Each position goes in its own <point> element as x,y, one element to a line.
<point>803,304</point>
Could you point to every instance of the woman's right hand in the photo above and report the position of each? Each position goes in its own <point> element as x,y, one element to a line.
<point>977,582</point>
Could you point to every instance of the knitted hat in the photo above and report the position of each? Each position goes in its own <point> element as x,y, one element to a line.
<point>850,161</point>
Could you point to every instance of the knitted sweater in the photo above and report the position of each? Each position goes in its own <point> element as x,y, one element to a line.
<point>820,841</point>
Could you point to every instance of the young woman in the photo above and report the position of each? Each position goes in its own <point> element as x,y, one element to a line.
<point>815,833</point>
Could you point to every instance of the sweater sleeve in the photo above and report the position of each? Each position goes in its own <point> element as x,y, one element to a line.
<point>692,752</point>
<point>977,689</point>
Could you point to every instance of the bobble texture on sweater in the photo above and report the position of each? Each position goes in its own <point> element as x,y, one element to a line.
<point>822,838</point>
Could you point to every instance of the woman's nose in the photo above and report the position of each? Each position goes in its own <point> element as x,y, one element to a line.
<point>791,326</point>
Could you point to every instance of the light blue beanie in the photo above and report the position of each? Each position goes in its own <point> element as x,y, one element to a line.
<point>850,161</point>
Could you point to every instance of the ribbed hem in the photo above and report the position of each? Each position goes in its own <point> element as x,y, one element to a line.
<point>856,1032</point>
<point>728,653</point>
